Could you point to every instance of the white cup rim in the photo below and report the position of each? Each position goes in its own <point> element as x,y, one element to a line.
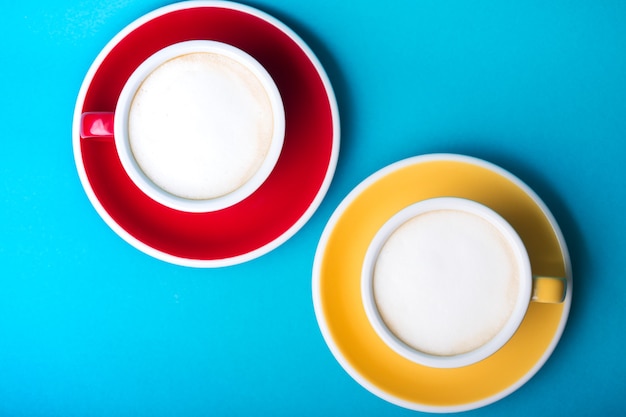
<point>480,353</point>
<point>133,169</point>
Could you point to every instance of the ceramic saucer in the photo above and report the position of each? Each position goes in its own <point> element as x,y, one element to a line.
<point>281,206</point>
<point>337,292</point>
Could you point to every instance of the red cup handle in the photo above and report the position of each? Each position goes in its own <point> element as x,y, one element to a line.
<point>96,125</point>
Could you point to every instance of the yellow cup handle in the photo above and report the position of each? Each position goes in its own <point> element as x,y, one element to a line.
<point>549,289</point>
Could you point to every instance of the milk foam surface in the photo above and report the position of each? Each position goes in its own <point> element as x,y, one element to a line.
<point>200,125</point>
<point>445,282</point>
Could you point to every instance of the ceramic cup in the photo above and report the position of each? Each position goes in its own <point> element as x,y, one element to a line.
<point>447,281</point>
<point>198,126</point>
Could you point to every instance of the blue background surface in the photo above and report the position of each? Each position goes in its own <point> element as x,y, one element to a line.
<point>90,326</point>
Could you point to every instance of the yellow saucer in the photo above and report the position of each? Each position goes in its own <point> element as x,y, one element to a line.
<point>337,292</point>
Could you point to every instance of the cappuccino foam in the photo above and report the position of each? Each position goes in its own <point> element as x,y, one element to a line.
<point>200,125</point>
<point>445,282</point>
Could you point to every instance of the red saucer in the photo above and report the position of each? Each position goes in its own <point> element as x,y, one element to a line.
<point>281,206</point>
